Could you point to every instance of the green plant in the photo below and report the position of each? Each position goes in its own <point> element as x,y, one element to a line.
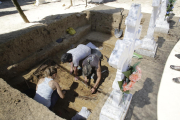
<point>170,7</point>
<point>127,83</point>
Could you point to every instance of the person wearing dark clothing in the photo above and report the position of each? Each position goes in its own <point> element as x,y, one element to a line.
<point>90,64</point>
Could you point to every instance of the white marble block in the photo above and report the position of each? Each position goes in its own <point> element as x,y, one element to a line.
<point>117,105</point>
<point>117,54</point>
<point>98,1</point>
<point>121,56</point>
<point>118,111</point>
<point>162,25</point>
<point>38,2</point>
<point>149,46</point>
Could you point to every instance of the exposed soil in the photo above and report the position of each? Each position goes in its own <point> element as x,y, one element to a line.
<point>144,101</point>
<point>78,94</point>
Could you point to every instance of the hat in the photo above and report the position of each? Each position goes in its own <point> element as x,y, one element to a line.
<point>87,70</point>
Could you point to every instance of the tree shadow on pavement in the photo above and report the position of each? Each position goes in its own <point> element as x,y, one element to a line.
<point>140,98</point>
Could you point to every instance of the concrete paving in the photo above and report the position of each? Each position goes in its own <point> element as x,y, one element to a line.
<point>144,102</point>
<point>168,96</point>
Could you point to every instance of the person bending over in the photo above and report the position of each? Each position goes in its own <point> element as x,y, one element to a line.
<point>92,64</point>
<point>48,91</point>
<point>73,56</point>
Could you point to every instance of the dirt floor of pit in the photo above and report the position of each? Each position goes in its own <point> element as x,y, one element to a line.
<point>71,104</point>
<point>144,101</point>
<point>77,91</point>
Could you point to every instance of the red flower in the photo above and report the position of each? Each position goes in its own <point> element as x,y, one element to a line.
<point>135,76</point>
<point>128,86</point>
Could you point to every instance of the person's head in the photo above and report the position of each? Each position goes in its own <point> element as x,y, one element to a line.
<point>51,71</point>
<point>86,71</point>
<point>67,57</point>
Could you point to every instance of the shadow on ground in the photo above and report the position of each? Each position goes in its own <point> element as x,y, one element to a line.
<point>9,4</point>
<point>140,98</point>
<point>160,41</point>
<point>8,12</point>
<point>62,106</point>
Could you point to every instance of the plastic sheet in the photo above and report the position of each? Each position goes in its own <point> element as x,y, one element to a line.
<point>82,115</point>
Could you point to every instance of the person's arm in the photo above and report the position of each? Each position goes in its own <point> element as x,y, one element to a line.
<point>71,67</point>
<point>59,91</point>
<point>76,73</point>
<point>86,81</point>
<point>98,78</point>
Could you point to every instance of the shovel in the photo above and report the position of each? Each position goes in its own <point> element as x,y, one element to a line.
<point>118,32</point>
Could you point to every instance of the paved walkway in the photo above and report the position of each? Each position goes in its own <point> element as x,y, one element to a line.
<point>169,91</point>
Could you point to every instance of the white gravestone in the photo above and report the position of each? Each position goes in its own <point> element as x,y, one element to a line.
<point>38,2</point>
<point>98,1</point>
<point>149,46</point>
<point>162,25</point>
<point>116,106</point>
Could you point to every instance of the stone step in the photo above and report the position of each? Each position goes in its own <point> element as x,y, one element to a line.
<point>104,38</point>
<point>44,53</point>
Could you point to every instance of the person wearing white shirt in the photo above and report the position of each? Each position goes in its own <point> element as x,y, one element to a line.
<point>74,55</point>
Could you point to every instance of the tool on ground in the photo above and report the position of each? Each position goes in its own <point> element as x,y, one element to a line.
<point>59,40</point>
<point>107,58</point>
<point>88,97</point>
<point>118,32</point>
<point>103,71</point>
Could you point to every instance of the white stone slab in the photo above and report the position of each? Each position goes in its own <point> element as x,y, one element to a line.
<point>116,106</point>
<point>149,46</point>
<point>150,53</point>
<point>98,1</point>
<point>115,112</point>
<point>162,25</point>
<point>168,105</point>
<point>92,46</point>
<point>38,2</point>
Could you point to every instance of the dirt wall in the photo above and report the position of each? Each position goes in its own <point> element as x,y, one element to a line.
<point>22,46</point>
<point>23,52</point>
<point>105,19</point>
<point>26,50</point>
<point>12,104</point>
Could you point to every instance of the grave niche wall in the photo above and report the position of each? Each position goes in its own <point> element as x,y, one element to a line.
<point>16,105</point>
<point>105,19</point>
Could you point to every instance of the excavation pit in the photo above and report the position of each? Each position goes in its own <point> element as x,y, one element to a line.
<point>78,94</point>
<point>32,48</point>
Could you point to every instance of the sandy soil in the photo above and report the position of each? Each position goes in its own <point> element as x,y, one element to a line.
<point>76,90</point>
<point>73,103</point>
<point>144,103</point>
<point>11,21</point>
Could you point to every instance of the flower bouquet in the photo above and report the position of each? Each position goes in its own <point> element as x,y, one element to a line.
<point>170,7</point>
<point>132,75</point>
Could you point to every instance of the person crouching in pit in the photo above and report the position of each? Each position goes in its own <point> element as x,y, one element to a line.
<point>48,91</point>
<point>92,65</point>
<point>73,56</point>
